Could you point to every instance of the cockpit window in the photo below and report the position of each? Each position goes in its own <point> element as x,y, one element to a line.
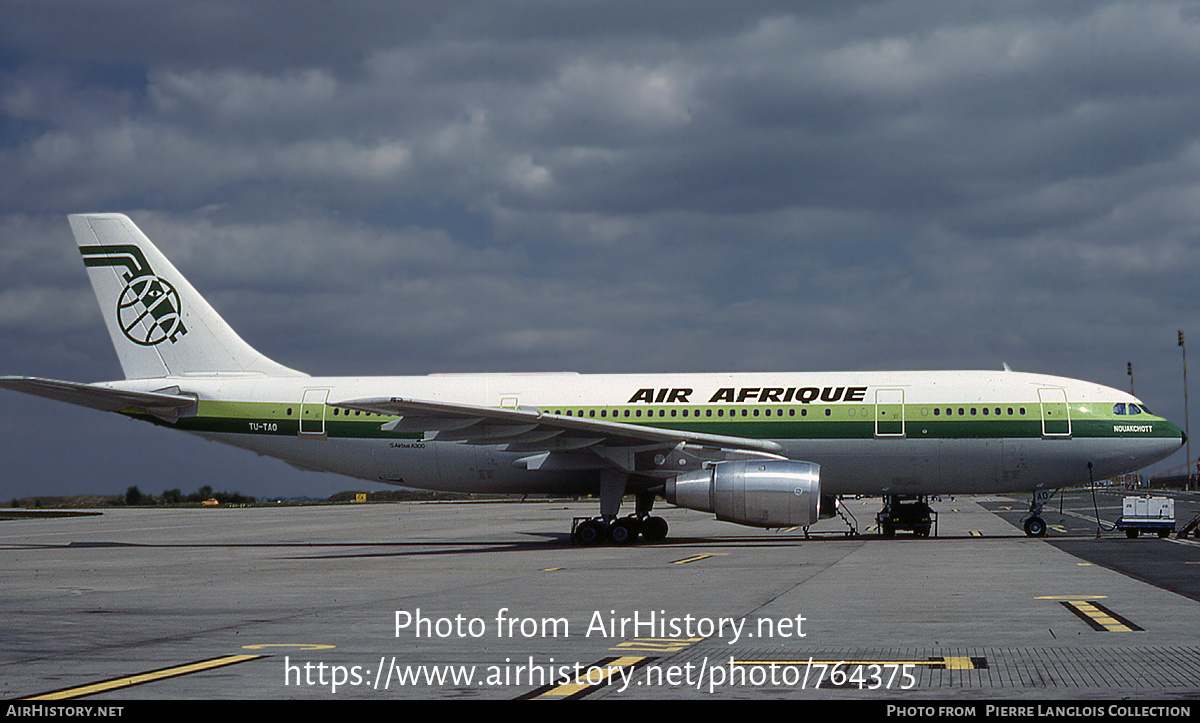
<point>1144,408</point>
<point>1119,408</point>
<point>1133,409</point>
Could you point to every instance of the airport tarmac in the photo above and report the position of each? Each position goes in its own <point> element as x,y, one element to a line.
<point>492,601</point>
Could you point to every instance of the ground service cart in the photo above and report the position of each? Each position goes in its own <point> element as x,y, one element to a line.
<point>1147,514</point>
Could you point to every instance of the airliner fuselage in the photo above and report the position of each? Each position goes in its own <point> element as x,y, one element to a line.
<point>872,432</point>
<point>763,449</point>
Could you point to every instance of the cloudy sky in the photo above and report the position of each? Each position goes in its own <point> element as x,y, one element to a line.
<point>387,188</point>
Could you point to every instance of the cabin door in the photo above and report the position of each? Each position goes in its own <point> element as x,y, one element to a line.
<point>312,412</point>
<point>1056,414</point>
<point>889,412</point>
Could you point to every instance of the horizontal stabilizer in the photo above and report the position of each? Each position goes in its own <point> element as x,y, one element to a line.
<point>163,404</point>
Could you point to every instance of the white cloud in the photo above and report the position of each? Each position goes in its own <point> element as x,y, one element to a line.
<point>644,98</point>
<point>526,176</point>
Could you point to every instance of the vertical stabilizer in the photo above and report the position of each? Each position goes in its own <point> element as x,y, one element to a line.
<point>159,324</point>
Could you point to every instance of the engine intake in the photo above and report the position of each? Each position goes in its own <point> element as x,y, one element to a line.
<point>763,493</point>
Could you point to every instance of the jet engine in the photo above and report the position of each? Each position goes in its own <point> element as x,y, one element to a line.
<point>760,493</point>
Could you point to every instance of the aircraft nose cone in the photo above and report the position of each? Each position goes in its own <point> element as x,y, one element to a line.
<point>1178,430</point>
<point>1183,438</point>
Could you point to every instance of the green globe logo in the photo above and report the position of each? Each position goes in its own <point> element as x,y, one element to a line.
<point>148,311</point>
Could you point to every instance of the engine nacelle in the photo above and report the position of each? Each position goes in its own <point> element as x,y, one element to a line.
<point>761,493</point>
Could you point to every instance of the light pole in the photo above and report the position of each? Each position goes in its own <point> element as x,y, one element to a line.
<point>1186,418</point>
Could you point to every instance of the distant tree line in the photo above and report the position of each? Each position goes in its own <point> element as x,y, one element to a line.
<point>134,496</point>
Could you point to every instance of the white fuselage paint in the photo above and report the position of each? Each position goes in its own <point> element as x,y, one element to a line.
<point>902,459</point>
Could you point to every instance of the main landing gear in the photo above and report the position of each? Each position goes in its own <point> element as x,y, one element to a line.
<point>619,530</point>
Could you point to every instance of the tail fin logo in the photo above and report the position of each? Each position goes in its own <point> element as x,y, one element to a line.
<point>148,308</point>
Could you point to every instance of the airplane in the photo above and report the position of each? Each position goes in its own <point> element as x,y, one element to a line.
<point>766,449</point>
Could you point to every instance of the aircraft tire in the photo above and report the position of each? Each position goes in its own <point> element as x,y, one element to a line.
<point>654,529</point>
<point>589,532</point>
<point>623,531</point>
<point>1035,527</point>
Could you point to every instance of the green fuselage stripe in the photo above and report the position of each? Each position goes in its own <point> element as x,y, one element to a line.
<point>806,421</point>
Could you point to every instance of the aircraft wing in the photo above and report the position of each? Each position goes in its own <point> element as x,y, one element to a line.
<point>166,404</point>
<point>552,438</point>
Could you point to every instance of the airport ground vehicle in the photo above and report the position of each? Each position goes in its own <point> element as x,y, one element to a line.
<point>906,512</point>
<point>1147,514</point>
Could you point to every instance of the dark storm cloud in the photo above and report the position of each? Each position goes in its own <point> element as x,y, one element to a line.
<point>615,187</point>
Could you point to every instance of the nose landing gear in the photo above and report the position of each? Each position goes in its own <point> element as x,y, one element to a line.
<point>1035,526</point>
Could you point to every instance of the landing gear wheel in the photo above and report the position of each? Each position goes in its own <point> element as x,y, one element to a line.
<point>654,529</point>
<point>1035,527</point>
<point>623,531</point>
<point>589,532</point>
